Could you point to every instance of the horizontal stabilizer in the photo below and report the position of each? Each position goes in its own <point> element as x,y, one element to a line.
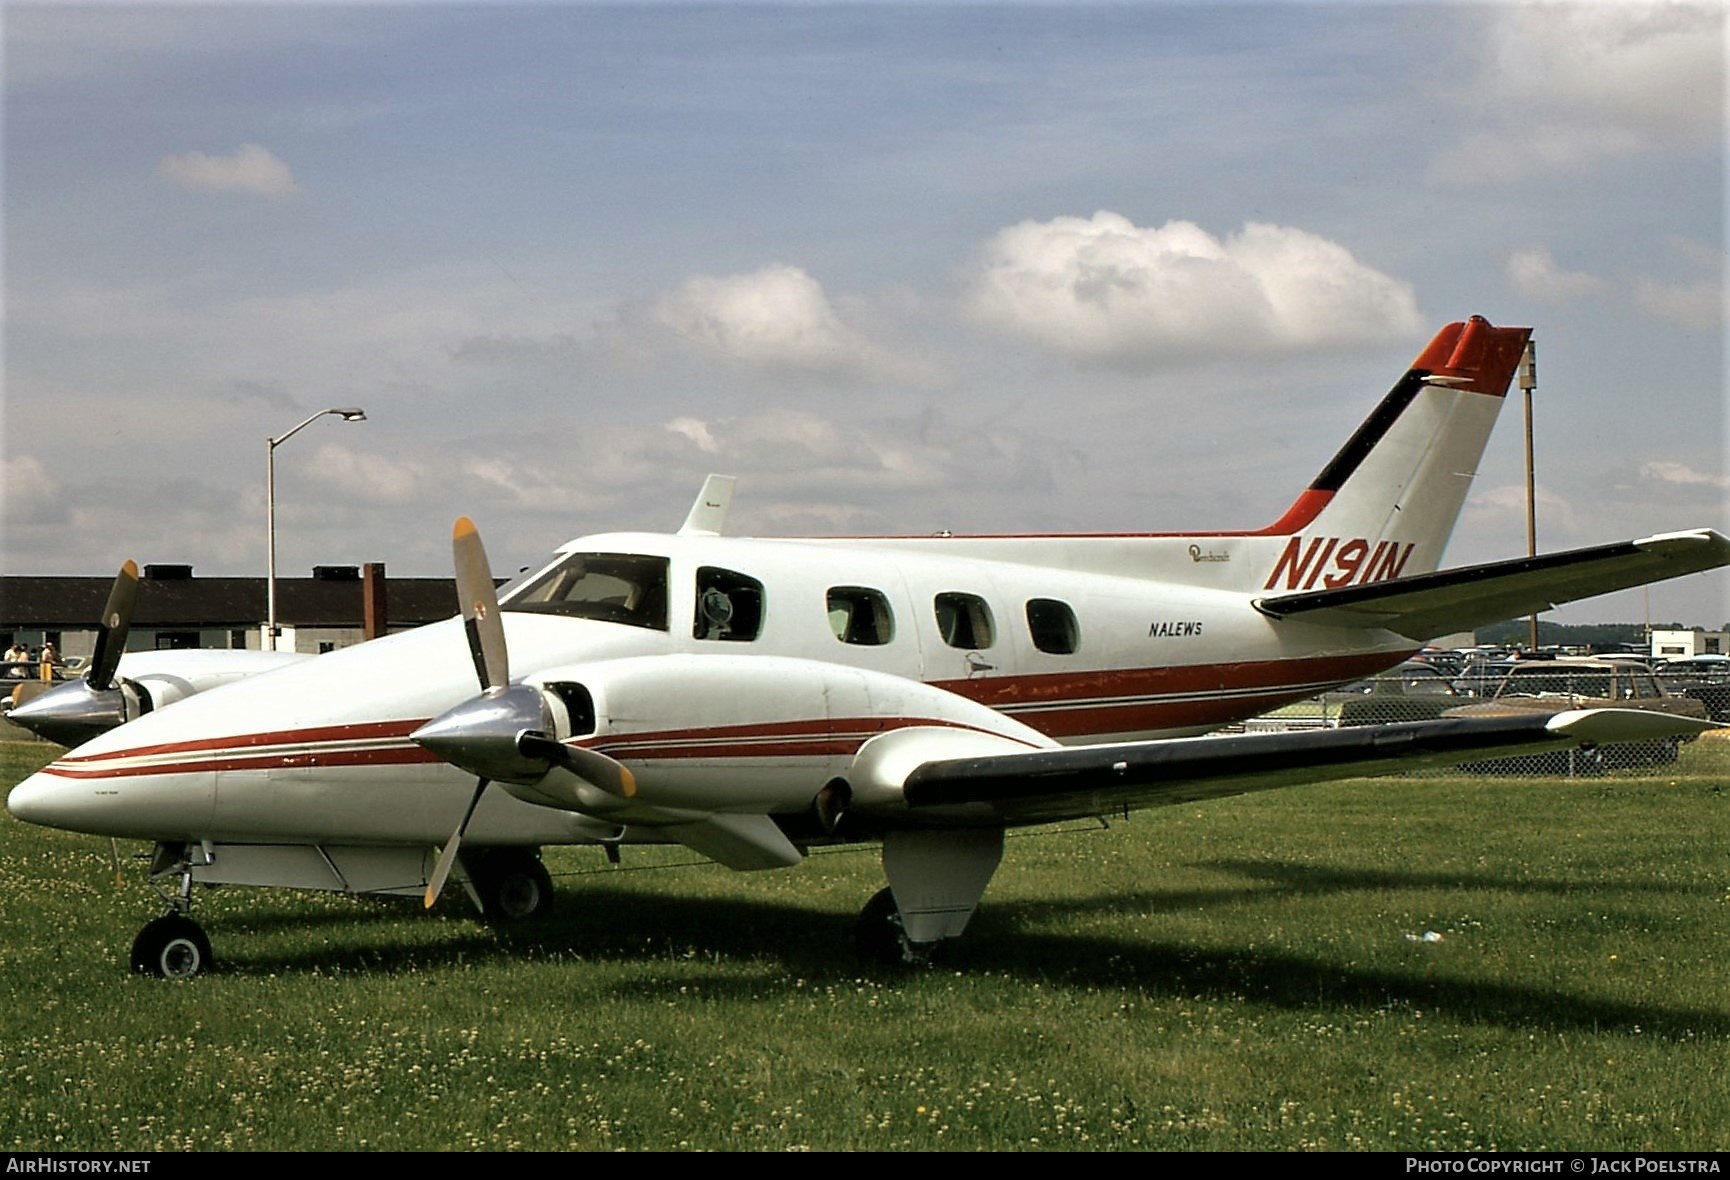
<point>1446,601</point>
<point>1099,780</point>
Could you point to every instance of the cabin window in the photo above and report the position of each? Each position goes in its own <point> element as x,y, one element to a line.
<point>729,605</point>
<point>626,588</point>
<point>964,621</point>
<point>861,616</point>
<point>1053,626</point>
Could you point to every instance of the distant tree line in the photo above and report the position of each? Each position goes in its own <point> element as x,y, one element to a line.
<point>1597,636</point>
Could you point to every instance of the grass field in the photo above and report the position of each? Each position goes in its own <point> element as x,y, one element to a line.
<point>1257,973</point>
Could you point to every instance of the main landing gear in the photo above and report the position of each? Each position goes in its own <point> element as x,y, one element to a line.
<point>936,879</point>
<point>880,936</point>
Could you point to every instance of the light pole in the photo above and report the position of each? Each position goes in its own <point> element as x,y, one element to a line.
<point>347,414</point>
<point>1529,385</point>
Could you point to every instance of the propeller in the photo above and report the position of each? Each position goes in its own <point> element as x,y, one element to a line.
<point>111,631</point>
<point>479,603</point>
<point>72,714</point>
<point>504,734</point>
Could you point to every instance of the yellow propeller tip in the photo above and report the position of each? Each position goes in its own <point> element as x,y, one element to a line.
<point>465,527</point>
<point>130,569</point>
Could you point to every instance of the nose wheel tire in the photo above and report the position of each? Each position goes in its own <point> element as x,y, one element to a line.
<point>171,947</point>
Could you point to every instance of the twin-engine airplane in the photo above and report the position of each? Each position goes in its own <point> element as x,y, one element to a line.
<point>750,699</point>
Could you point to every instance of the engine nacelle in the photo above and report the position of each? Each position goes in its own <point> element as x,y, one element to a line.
<point>762,733</point>
<point>881,767</point>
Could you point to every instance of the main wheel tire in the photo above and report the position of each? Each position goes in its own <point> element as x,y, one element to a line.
<point>881,937</point>
<point>514,886</point>
<point>171,947</point>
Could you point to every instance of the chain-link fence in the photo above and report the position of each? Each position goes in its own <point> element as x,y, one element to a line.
<point>1421,692</point>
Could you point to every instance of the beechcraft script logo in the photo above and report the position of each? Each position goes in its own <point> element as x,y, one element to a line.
<point>1332,562</point>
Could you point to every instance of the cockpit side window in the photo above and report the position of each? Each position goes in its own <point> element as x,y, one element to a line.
<point>626,588</point>
<point>729,605</point>
<point>860,616</point>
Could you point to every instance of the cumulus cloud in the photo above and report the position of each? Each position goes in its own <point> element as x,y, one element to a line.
<point>777,318</point>
<point>793,449</point>
<point>697,431</point>
<point>1508,502</point>
<point>1108,292</point>
<point>1700,305</point>
<point>1559,88</point>
<point>29,493</point>
<point>1664,471</point>
<point>368,477</point>
<point>248,169</point>
<point>1533,274</point>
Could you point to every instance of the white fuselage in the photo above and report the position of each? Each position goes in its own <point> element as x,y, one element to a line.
<point>320,751</point>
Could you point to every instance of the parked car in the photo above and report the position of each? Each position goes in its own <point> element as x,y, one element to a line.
<point>1413,691</point>
<point>1573,682</point>
<point>1705,678</point>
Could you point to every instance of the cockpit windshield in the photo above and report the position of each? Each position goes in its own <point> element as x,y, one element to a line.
<point>627,588</point>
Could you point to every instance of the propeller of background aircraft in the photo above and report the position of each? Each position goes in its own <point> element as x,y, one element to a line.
<point>73,714</point>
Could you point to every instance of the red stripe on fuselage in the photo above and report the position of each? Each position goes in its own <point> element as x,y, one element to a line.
<point>395,756</point>
<point>369,731</point>
<point>1060,705</point>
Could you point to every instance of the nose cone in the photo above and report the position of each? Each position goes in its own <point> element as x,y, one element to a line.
<point>480,735</point>
<point>81,793</point>
<point>72,714</point>
<point>33,801</point>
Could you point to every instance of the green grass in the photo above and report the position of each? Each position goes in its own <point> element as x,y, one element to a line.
<point>1243,974</point>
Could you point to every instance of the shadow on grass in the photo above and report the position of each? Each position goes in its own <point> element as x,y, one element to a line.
<point>707,940</point>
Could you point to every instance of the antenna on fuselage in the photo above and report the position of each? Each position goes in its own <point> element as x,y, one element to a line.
<point>709,513</point>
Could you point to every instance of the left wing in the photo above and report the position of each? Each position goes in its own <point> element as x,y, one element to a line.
<point>1043,785</point>
<point>1428,605</point>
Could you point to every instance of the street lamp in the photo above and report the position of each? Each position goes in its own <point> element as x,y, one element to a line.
<point>347,414</point>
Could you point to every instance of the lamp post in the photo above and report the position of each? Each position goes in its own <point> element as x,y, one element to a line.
<point>1529,385</point>
<point>347,414</point>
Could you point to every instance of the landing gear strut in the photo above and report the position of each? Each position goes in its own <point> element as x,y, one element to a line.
<point>172,946</point>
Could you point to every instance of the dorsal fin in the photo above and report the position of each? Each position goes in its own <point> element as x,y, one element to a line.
<point>709,511</point>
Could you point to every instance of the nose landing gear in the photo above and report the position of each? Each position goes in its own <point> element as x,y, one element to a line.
<point>172,946</point>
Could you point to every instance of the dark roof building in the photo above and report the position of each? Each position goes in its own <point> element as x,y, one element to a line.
<point>176,609</point>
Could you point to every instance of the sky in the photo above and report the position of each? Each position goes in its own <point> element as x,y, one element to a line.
<point>898,268</point>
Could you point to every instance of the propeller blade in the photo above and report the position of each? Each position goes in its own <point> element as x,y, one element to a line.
<point>480,606</point>
<point>111,631</point>
<point>590,765</point>
<point>447,858</point>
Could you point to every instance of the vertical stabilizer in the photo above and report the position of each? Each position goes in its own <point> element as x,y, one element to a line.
<point>1386,504</point>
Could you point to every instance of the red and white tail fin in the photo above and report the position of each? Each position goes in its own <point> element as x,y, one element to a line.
<point>1386,504</point>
